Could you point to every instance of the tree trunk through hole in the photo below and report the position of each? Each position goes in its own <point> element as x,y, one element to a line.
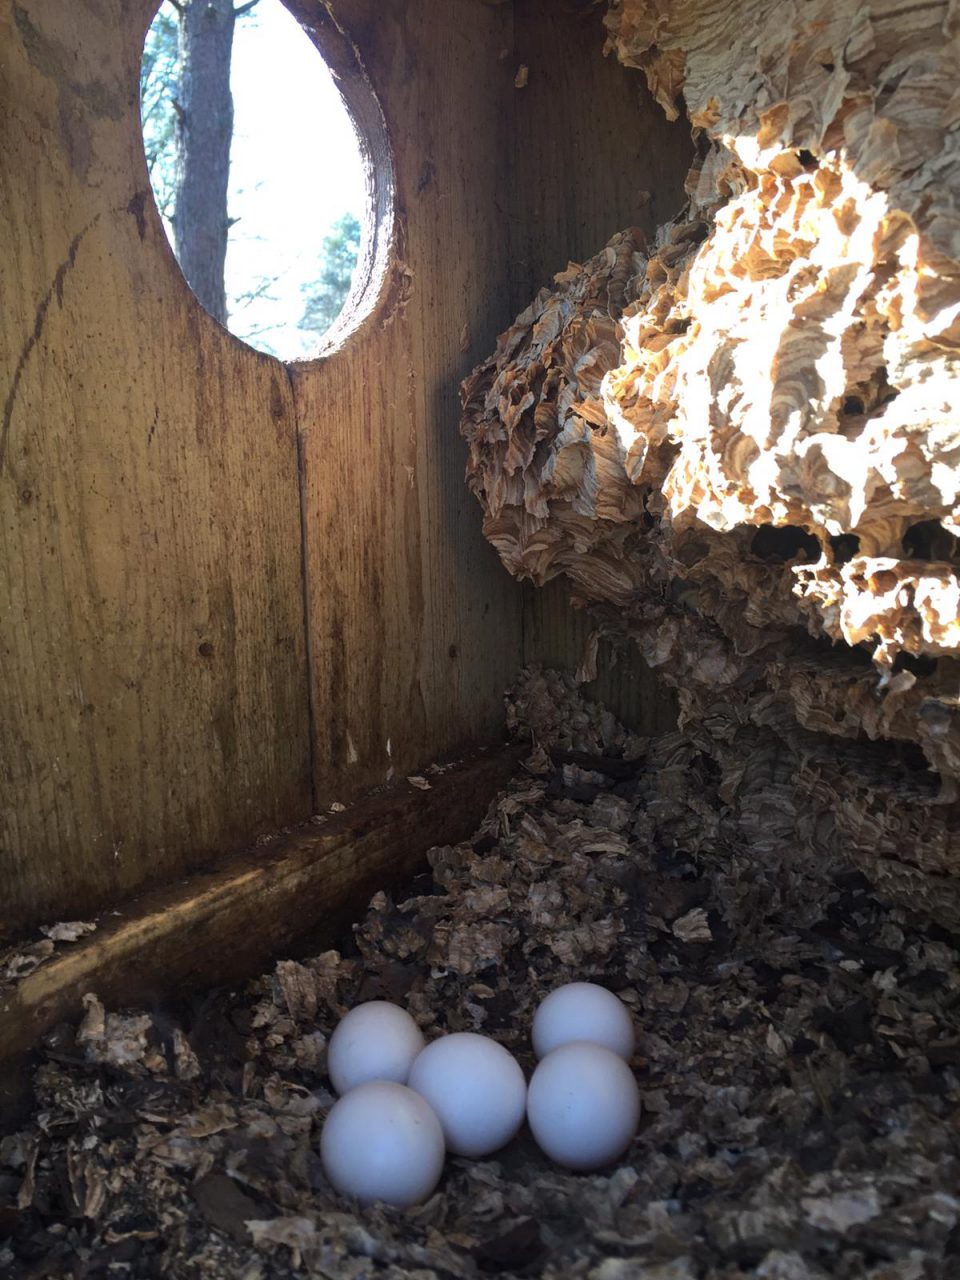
<point>200,220</point>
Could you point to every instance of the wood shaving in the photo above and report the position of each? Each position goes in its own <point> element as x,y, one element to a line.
<point>67,931</point>
<point>798,1057</point>
<point>16,962</point>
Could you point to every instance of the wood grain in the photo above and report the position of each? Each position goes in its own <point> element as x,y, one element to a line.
<point>557,635</point>
<point>175,506</point>
<point>414,627</point>
<point>592,154</point>
<point>152,658</point>
<point>312,881</point>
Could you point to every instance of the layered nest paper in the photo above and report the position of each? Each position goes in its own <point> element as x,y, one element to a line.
<point>739,441</point>
<point>798,1059</point>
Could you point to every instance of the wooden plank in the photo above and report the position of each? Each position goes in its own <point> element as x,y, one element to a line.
<point>557,635</point>
<point>414,626</point>
<point>592,151</point>
<point>592,154</point>
<point>153,654</point>
<point>153,707</point>
<point>221,926</point>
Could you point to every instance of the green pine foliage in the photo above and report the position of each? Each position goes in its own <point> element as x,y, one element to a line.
<point>324,299</point>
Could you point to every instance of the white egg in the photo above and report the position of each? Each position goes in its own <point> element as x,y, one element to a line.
<point>375,1041</point>
<point>583,1011</point>
<point>583,1105</point>
<point>382,1141</point>
<point>477,1089</point>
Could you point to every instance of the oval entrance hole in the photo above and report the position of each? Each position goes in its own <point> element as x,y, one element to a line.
<point>260,175</point>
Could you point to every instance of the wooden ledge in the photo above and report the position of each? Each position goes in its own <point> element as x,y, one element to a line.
<point>225,925</point>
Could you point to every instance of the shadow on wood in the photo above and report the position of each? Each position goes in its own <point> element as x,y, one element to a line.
<point>219,927</point>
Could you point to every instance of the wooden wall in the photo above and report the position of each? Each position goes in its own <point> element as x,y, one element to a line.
<point>593,154</point>
<point>414,626</point>
<point>174,507</point>
<point>152,664</point>
<point>592,151</point>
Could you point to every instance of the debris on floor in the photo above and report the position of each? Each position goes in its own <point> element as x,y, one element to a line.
<point>798,1059</point>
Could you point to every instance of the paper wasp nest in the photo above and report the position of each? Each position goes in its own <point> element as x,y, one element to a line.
<point>741,442</point>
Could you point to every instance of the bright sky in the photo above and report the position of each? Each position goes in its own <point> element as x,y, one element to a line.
<point>295,169</point>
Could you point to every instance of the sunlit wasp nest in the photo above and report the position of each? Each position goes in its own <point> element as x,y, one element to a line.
<point>740,442</point>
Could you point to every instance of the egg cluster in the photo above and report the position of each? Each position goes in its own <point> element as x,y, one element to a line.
<point>403,1104</point>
